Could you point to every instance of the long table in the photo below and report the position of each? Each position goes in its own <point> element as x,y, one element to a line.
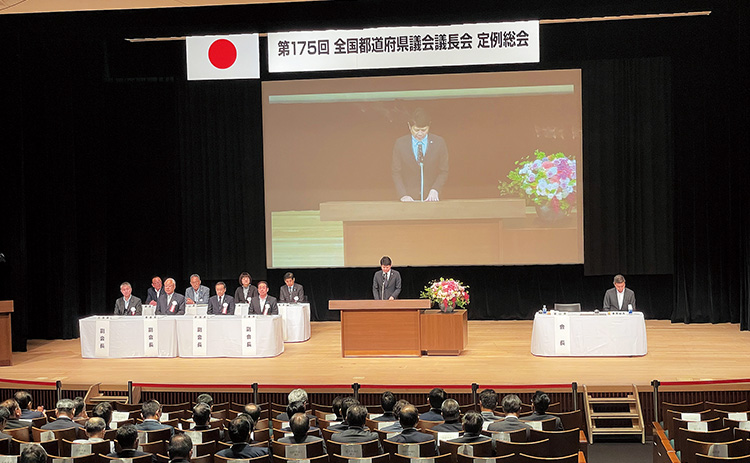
<point>181,335</point>
<point>589,334</point>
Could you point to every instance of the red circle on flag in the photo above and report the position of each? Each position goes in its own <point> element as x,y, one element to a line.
<point>222,54</point>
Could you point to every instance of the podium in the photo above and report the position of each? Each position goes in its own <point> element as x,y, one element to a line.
<point>444,333</point>
<point>6,344</point>
<point>372,328</point>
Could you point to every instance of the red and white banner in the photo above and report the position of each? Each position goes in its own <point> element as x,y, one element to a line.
<point>396,47</point>
<point>215,57</point>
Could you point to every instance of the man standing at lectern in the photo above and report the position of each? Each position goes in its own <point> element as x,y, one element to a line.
<point>419,166</point>
<point>386,283</point>
<point>619,297</point>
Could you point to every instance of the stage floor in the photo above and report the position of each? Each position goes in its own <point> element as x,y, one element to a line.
<point>498,353</point>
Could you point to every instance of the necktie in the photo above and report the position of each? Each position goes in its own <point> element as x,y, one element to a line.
<point>420,153</point>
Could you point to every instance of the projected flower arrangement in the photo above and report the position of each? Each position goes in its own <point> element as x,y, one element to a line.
<point>547,181</point>
<point>448,294</point>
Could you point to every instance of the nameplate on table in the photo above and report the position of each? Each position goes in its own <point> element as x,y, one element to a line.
<point>248,336</point>
<point>196,309</point>
<point>101,327</point>
<point>562,334</point>
<point>150,337</point>
<point>148,311</point>
<point>242,309</point>
<point>200,336</point>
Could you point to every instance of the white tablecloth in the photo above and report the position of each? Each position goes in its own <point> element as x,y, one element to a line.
<point>225,336</point>
<point>126,337</point>
<point>296,319</point>
<point>585,334</point>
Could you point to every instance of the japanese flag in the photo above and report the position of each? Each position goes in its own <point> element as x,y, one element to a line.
<point>212,57</point>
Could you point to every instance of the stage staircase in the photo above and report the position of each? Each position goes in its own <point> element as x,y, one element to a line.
<point>609,410</point>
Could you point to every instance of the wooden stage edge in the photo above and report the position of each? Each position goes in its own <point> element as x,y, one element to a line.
<point>498,353</point>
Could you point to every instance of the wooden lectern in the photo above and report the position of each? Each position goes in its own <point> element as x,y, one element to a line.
<point>6,343</point>
<point>372,328</point>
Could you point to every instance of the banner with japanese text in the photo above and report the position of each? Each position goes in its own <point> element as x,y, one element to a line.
<point>397,47</point>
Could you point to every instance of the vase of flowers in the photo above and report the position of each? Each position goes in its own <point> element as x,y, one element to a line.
<point>546,181</point>
<point>447,294</point>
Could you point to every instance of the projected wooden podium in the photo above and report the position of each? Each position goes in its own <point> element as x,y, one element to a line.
<point>6,345</point>
<point>410,230</point>
<point>372,328</point>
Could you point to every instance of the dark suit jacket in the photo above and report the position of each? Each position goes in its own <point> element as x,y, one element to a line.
<point>432,415</point>
<point>134,302</point>
<point>395,427</point>
<point>242,451</point>
<point>297,290</point>
<point>152,425</point>
<point>61,423</point>
<point>308,438</point>
<point>179,308</point>
<point>17,424</point>
<point>392,288</point>
<point>338,427</point>
<point>4,436</point>
<point>537,417</point>
<point>255,307</point>
<point>405,168</point>
<point>31,414</point>
<point>215,308</point>
<point>239,294</point>
<point>610,299</point>
<point>354,434</point>
<point>448,427</point>
<point>470,439</point>
<point>510,423</point>
<point>489,416</point>
<point>411,436</point>
<point>151,295</point>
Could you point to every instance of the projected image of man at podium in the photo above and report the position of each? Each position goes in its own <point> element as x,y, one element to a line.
<point>420,161</point>
<point>386,283</point>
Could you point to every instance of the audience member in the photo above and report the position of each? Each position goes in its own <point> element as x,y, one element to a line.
<point>127,437</point>
<point>4,415</point>
<point>356,431</point>
<point>205,398</point>
<point>33,454</point>
<point>488,404</point>
<point>296,395</point>
<point>151,412</point>
<point>180,448</point>
<point>396,427</point>
<point>336,407</point>
<point>201,417</point>
<point>387,401</point>
<point>452,414</point>
<point>246,291</point>
<point>95,428</point>
<point>436,398</point>
<point>24,402</point>
<point>541,404</point>
<point>346,403</point>
<point>252,411</point>
<point>511,407</point>
<point>103,410</point>
<point>473,423</point>
<point>239,433</point>
<point>65,411</point>
<point>79,413</point>
<point>300,426</point>
<point>409,417</point>
<point>14,419</point>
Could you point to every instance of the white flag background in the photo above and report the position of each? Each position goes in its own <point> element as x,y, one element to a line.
<point>216,57</point>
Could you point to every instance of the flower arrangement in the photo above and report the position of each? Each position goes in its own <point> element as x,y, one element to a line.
<point>548,181</point>
<point>447,293</point>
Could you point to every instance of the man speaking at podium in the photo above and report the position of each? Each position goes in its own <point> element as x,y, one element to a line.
<point>619,297</point>
<point>386,283</point>
<point>420,161</point>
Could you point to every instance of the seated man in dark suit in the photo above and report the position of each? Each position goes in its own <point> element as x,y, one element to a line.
<point>452,414</point>
<point>293,409</point>
<point>436,398</point>
<point>103,410</point>
<point>296,395</point>
<point>251,411</point>
<point>387,402</point>
<point>356,432</point>
<point>239,432</point>
<point>65,411</point>
<point>180,449</point>
<point>511,407</point>
<point>396,427</point>
<point>409,417</point>
<point>24,402</point>
<point>221,303</point>
<point>33,454</point>
<point>4,415</point>
<point>473,422</point>
<point>201,417</point>
<point>541,403</point>
<point>127,304</point>
<point>346,403</point>
<point>154,291</point>
<point>151,412</point>
<point>291,292</point>
<point>127,437</point>
<point>95,428</point>
<point>263,303</point>
<point>300,426</point>
<point>619,297</point>
<point>488,404</point>
<point>14,415</point>
<point>170,303</point>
